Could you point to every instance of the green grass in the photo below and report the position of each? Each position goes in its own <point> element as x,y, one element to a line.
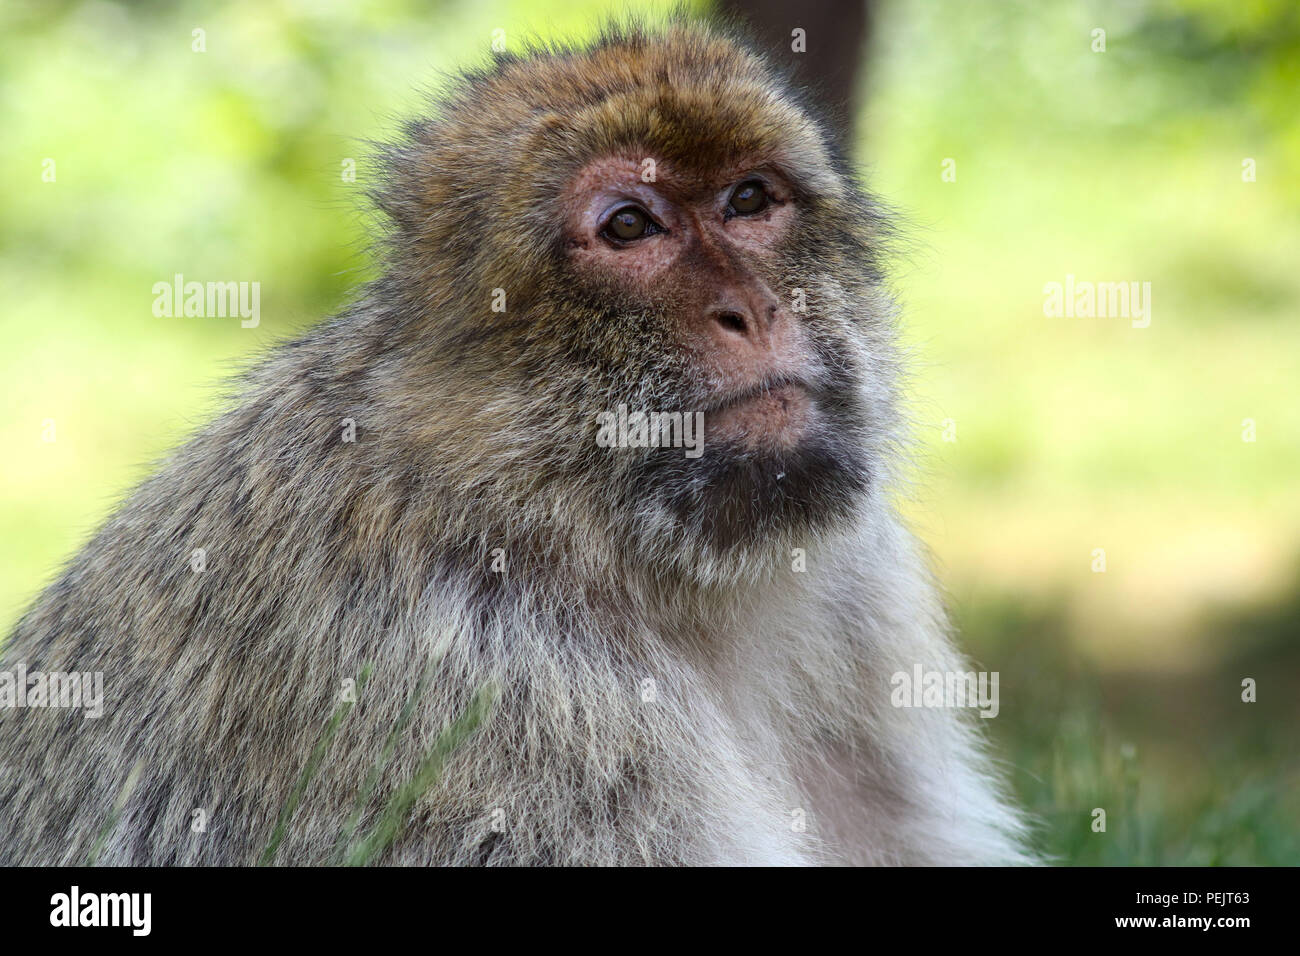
<point>1186,771</point>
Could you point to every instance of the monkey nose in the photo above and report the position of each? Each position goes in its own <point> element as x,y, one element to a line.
<point>736,323</point>
<point>733,321</point>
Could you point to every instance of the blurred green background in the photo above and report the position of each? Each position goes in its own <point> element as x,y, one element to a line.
<point>1120,689</point>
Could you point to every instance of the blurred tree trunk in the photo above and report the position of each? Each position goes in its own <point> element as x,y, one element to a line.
<point>836,33</point>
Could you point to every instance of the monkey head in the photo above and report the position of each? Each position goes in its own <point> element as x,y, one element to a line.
<point>672,243</point>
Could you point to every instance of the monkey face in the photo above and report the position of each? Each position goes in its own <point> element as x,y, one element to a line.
<point>701,251</point>
<point>709,257</point>
<point>671,240</point>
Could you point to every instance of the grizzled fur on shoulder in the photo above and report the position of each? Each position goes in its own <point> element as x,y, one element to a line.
<point>665,695</point>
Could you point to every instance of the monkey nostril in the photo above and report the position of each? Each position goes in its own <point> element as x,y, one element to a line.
<point>733,321</point>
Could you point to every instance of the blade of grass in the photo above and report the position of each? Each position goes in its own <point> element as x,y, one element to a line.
<point>385,755</point>
<point>309,771</point>
<point>398,811</point>
<point>115,814</point>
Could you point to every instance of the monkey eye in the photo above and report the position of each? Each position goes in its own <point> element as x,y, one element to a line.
<point>629,223</point>
<point>748,198</point>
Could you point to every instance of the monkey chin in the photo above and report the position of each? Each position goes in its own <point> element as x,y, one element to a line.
<point>776,468</point>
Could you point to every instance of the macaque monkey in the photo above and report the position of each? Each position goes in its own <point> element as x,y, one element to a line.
<point>691,635</point>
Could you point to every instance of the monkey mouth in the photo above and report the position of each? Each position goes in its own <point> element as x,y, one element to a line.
<point>776,411</point>
<point>772,386</point>
<point>783,456</point>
